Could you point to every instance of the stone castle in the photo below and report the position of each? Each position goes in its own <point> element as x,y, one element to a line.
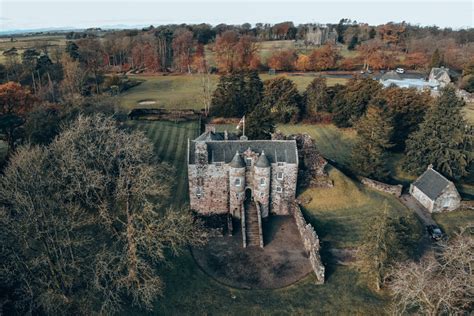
<point>243,179</point>
<point>249,180</point>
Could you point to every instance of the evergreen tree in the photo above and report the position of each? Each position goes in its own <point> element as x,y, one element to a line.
<point>260,123</point>
<point>352,102</point>
<point>406,109</point>
<point>436,59</point>
<point>237,93</point>
<point>373,254</point>
<point>353,43</point>
<point>444,139</point>
<point>252,90</point>
<point>316,98</point>
<point>282,98</point>
<point>369,152</point>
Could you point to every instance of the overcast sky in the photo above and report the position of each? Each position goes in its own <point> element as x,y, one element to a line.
<point>31,14</point>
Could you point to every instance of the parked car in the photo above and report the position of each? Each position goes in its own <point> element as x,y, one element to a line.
<point>362,72</point>
<point>400,71</point>
<point>434,232</point>
<point>369,71</point>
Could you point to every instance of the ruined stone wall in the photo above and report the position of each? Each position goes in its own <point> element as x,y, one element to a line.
<point>383,187</point>
<point>310,241</point>
<point>312,172</point>
<point>280,200</point>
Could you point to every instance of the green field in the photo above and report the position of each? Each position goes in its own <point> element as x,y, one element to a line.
<point>185,91</point>
<point>38,41</point>
<point>171,141</point>
<point>334,143</point>
<point>450,222</point>
<point>340,215</point>
<point>469,112</point>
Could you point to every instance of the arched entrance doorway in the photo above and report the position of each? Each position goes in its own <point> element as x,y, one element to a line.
<point>248,195</point>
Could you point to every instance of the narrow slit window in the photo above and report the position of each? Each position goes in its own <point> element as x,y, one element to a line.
<point>262,182</point>
<point>238,182</point>
<point>199,192</point>
<point>280,175</point>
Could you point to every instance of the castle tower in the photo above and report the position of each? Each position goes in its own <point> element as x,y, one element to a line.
<point>236,185</point>
<point>262,183</point>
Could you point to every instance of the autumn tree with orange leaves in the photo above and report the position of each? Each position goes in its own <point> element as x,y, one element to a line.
<point>324,58</point>
<point>234,52</point>
<point>15,102</point>
<point>303,63</point>
<point>416,60</point>
<point>183,45</point>
<point>283,60</point>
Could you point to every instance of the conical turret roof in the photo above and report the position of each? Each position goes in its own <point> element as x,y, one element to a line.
<point>262,161</point>
<point>237,161</point>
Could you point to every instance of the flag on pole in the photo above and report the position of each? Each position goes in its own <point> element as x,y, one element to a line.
<point>241,123</point>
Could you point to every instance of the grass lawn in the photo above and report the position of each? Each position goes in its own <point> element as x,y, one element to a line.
<point>450,222</point>
<point>333,142</point>
<point>184,91</point>
<point>469,112</point>
<point>171,141</point>
<point>22,43</point>
<point>341,216</point>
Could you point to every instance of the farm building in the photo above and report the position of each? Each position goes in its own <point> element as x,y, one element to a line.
<point>439,76</point>
<point>392,78</point>
<point>435,192</point>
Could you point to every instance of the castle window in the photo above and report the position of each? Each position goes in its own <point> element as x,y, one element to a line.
<point>262,182</point>
<point>249,161</point>
<point>280,164</point>
<point>199,192</point>
<point>280,175</point>
<point>279,190</point>
<point>238,182</point>
<point>262,194</point>
<point>218,164</point>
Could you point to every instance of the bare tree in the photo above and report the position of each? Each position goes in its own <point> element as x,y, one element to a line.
<point>441,283</point>
<point>83,221</point>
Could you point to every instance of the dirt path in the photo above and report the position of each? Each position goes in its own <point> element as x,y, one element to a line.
<point>419,210</point>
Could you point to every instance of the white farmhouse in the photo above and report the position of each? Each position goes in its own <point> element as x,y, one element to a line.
<point>435,192</point>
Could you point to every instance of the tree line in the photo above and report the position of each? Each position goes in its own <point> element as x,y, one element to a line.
<point>386,119</point>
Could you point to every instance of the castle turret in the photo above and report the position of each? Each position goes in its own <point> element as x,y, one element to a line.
<point>262,183</point>
<point>236,184</point>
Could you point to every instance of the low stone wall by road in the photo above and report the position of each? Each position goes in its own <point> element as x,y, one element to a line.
<point>380,186</point>
<point>311,243</point>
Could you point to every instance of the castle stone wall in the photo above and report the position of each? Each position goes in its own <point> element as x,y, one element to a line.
<point>310,241</point>
<point>279,200</point>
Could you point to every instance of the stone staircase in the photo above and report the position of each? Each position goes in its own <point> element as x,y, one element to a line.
<point>252,224</point>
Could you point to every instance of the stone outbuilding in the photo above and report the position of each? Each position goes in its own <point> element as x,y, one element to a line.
<point>440,76</point>
<point>435,192</point>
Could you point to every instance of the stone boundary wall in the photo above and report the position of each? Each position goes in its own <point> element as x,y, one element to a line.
<point>162,114</point>
<point>467,205</point>
<point>380,186</point>
<point>311,243</point>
